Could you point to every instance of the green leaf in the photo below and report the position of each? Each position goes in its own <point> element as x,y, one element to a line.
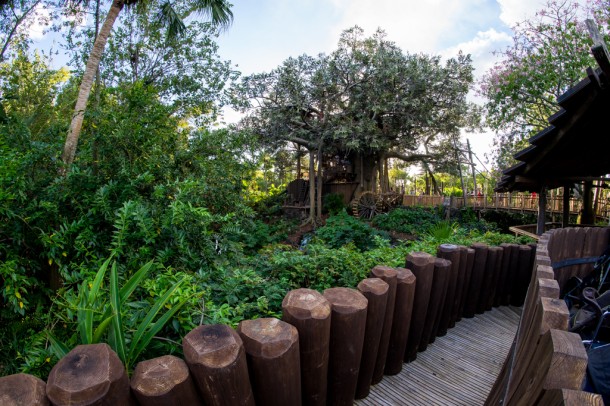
<point>101,328</point>
<point>134,281</point>
<point>59,349</point>
<point>136,344</point>
<point>117,324</point>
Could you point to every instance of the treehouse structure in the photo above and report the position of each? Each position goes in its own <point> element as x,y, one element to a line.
<point>340,179</point>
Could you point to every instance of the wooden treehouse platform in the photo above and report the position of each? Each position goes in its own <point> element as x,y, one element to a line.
<point>457,369</point>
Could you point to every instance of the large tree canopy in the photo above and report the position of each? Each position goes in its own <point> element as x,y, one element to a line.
<point>367,101</point>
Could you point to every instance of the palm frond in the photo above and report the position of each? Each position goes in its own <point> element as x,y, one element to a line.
<point>219,12</point>
<point>168,17</point>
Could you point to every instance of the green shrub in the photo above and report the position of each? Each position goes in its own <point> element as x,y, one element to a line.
<point>411,220</point>
<point>333,204</point>
<point>343,229</point>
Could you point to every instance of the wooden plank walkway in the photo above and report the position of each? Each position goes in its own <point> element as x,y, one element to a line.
<point>458,369</point>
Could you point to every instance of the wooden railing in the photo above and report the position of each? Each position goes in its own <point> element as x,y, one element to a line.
<point>547,364</point>
<point>523,202</point>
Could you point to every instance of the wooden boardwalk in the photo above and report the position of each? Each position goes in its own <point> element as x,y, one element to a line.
<point>458,369</point>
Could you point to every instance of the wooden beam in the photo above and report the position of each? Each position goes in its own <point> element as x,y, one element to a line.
<point>541,211</point>
<point>565,219</point>
<point>599,49</point>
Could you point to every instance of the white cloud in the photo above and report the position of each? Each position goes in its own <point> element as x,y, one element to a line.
<point>416,26</point>
<point>40,15</point>
<point>482,48</point>
<point>515,11</point>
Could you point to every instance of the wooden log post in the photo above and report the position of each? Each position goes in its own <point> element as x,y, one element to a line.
<point>376,292</point>
<point>164,381</point>
<point>570,397</point>
<point>488,276</point>
<point>467,280</point>
<point>22,390</point>
<point>509,266</point>
<point>401,325</point>
<point>456,314</point>
<point>494,266</point>
<point>272,351</point>
<point>451,253</point>
<point>347,326</point>
<point>442,268</point>
<point>89,374</point>
<point>556,348</point>
<point>309,312</point>
<point>388,275</point>
<point>522,277</point>
<point>421,265</point>
<point>476,280</point>
<point>216,358</point>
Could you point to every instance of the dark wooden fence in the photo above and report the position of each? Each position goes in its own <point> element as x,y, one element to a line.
<point>546,364</point>
<point>329,348</point>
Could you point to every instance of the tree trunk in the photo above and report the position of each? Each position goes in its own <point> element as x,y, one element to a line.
<point>320,183</point>
<point>87,82</point>
<point>299,161</point>
<point>312,188</point>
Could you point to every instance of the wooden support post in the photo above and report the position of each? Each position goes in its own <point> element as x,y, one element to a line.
<point>23,389</point>
<point>348,322</point>
<point>541,211</point>
<point>509,271</point>
<point>522,275</point>
<point>494,265</point>
<point>216,357</point>
<point>488,276</point>
<point>388,275</point>
<point>376,292</point>
<point>164,381</point>
<point>456,314</point>
<point>588,216</point>
<point>309,312</point>
<point>451,253</point>
<point>442,268</point>
<point>272,351</point>
<point>476,280</point>
<point>467,281</point>
<point>570,397</point>
<point>421,265</point>
<point>89,374</point>
<point>403,310</point>
<point>565,219</point>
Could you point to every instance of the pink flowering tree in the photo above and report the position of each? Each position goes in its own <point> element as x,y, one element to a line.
<point>549,54</point>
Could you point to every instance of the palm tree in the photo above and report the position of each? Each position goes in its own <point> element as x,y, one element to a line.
<point>218,11</point>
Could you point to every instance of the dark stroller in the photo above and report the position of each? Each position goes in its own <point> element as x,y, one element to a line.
<point>590,318</point>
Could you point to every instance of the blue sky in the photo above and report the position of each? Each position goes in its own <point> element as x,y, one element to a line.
<point>266,32</point>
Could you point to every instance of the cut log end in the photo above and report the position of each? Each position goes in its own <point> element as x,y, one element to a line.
<point>419,259</point>
<point>345,300</point>
<point>88,373</point>
<point>306,304</point>
<point>158,376</point>
<point>22,389</point>
<point>382,271</point>
<point>214,346</point>
<point>374,286</point>
<point>404,275</point>
<point>267,337</point>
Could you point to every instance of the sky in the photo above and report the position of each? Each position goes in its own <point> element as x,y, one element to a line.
<point>264,33</point>
<point>267,32</point>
